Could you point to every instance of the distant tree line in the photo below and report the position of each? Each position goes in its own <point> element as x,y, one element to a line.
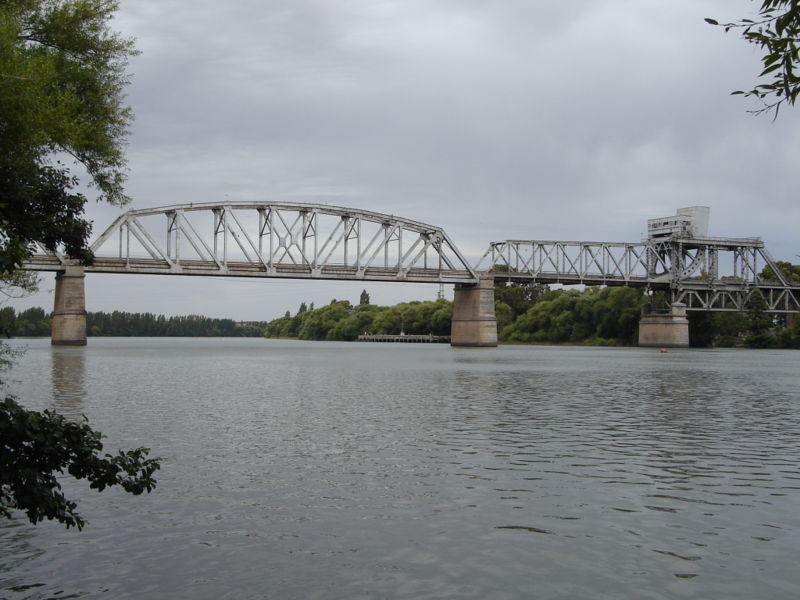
<point>36,322</point>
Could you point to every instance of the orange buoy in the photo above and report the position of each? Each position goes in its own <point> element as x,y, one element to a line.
<point>663,350</point>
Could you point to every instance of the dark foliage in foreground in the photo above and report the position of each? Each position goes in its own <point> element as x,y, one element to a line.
<point>37,447</point>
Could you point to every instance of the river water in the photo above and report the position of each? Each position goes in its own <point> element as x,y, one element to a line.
<point>344,470</point>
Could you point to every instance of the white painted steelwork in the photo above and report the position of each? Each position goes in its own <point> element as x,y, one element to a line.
<point>311,241</point>
<point>719,274</point>
<point>269,239</point>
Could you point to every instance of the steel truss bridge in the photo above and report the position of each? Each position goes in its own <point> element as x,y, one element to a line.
<point>312,241</point>
<point>719,274</point>
<point>274,240</point>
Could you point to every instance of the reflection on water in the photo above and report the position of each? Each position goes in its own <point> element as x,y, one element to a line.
<point>68,376</point>
<point>310,470</point>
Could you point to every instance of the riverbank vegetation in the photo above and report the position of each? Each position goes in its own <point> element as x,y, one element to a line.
<point>340,320</point>
<point>535,314</point>
<point>35,322</point>
<point>526,314</point>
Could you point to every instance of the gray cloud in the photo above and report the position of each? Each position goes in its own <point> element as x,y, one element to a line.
<point>509,119</point>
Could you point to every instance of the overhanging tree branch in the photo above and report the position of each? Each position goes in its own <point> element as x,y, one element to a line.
<point>777,34</point>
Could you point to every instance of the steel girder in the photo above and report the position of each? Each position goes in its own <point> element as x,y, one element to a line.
<point>737,299</point>
<point>270,239</point>
<point>716,274</point>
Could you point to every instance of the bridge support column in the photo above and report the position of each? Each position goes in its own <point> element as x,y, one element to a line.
<point>474,322</point>
<point>69,310</point>
<point>667,330</point>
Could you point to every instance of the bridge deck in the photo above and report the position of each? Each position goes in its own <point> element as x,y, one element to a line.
<point>145,266</point>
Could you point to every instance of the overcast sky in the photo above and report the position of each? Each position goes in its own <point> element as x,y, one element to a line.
<point>512,119</point>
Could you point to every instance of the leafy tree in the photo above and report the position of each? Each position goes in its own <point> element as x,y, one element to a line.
<point>342,321</point>
<point>19,284</point>
<point>441,318</point>
<point>760,335</point>
<point>789,336</point>
<point>355,323</point>
<point>790,272</point>
<point>729,328</point>
<point>388,321</point>
<point>319,323</point>
<point>776,32</point>
<point>364,298</point>
<point>278,328</point>
<point>35,447</point>
<point>596,315</point>
<point>147,324</point>
<point>520,297</point>
<point>62,74</point>
<point>701,329</point>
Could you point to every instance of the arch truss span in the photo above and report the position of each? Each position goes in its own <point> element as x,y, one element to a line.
<point>718,274</point>
<point>289,240</point>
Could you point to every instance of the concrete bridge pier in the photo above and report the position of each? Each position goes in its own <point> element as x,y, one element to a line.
<point>69,310</point>
<point>474,322</point>
<point>668,329</point>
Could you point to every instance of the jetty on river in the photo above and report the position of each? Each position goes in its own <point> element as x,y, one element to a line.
<point>407,339</point>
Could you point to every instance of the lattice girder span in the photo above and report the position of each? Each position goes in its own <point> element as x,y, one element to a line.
<point>270,239</point>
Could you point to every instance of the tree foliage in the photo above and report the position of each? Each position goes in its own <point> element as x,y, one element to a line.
<point>776,32</point>
<point>534,314</point>
<point>62,74</point>
<point>340,320</point>
<point>595,315</point>
<point>35,447</point>
<point>34,322</point>
<point>789,271</point>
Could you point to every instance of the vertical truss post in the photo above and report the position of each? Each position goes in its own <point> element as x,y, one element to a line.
<point>346,236</point>
<point>173,232</point>
<point>386,245</point>
<point>400,248</point>
<point>358,242</point>
<point>218,216</point>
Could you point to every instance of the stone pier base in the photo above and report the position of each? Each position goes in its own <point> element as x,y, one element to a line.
<point>69,311</point>
<point>665,330</point>
<point>474,322</point>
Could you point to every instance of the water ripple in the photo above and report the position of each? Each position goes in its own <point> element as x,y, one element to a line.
<point>304,470</point>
